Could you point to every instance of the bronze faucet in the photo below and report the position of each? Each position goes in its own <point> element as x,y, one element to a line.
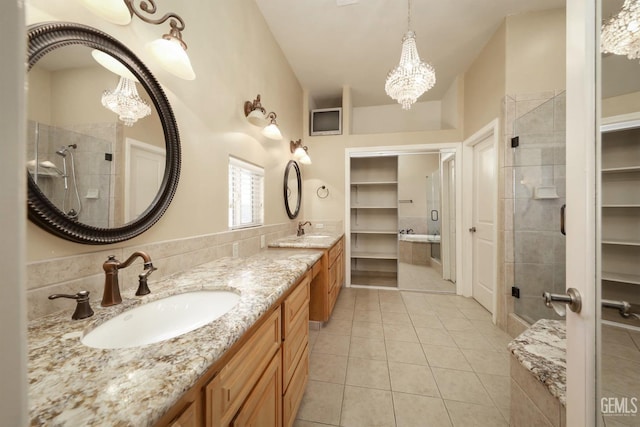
<point>301,228</point>
<point>111,295</point>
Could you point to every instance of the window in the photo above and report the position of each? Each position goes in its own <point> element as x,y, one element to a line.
<point>246,194</point>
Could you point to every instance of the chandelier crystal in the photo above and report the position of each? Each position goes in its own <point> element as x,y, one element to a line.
<point>412,77</point>
<point>621,33</point>
<point>125,102</point>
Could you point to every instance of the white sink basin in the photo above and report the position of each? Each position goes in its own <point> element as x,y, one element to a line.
<point>161,320</point>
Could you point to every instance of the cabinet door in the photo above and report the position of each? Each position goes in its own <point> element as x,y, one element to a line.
<point>263,407</point>
<point>188,418</point>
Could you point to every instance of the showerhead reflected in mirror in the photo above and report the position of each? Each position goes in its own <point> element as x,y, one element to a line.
<point>72,134</point>
<point>103,156</point>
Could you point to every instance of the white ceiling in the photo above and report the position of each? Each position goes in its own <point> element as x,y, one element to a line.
<point>356,45</point>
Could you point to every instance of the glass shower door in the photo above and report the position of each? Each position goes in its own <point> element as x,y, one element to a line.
<point>538,196</point>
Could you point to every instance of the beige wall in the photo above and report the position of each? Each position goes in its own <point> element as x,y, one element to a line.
<point>536,53</point>
<point>485,84</point>
<point>228,42</point>
<point>328,167</point>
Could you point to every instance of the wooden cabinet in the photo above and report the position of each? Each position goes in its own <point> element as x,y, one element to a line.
<point>229,389</point>
<point>326,285</point>
<point>260,381</point>
<point>621,217</point>
<point>373,220</point>
<point>188,418</point>
<point>263,407</point>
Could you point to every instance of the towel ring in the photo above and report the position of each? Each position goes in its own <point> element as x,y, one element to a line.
<point>322,192</point>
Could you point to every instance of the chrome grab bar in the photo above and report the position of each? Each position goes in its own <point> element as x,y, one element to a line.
<point>623,307</point>
<point>571,298</point>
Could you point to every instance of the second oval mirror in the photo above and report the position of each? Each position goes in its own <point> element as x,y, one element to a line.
<point>292,189</point>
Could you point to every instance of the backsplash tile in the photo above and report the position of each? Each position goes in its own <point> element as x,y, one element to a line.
<point>69,275</point>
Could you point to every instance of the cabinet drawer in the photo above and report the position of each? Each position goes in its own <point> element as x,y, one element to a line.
<point>316,268</point>
<point>293,395</point>
<point>188,418</point>
<point>335,251</point>
<point>295,304</point>
<point>294,346</point>
<point>226,392</point>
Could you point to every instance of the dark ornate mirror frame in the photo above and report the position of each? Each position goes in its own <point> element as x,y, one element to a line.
<point>43,39</point>
<point>287,169</point>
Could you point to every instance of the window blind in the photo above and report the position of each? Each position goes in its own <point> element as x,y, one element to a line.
<point>246,194</point>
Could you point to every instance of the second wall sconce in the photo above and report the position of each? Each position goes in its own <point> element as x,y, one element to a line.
<point>300,152</point>
<point>170,50</point>
<point>258,116</point>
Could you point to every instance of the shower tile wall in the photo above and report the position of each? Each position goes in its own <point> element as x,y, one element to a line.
<point>534,247</point>
<point>93,172</point>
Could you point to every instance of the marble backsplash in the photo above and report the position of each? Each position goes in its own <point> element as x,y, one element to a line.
<point>71,274</point>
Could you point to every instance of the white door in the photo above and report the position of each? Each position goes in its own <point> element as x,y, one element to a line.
<point>144,165</point>
<point>581,211</point>
<point>483,222</point>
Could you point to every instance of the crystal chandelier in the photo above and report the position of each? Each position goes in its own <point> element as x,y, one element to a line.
<point>412,77</point>
<point>621,33</point>
<point>125,102</point>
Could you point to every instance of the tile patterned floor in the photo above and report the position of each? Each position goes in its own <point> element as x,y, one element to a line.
<point>390,358</point>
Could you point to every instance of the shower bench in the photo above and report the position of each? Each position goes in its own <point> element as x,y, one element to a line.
<point>538,375</point>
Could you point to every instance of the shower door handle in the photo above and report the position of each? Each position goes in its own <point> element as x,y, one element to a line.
<point>472,230</point>
<point>434,215</point>
<point>562,211</point>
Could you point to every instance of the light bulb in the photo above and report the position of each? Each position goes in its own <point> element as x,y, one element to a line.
<point>305,160</point>
<point>272,131</point>
<point>257,118</point>
<point>172,57</point>
<point>299,153</point>
<point>115,11</point>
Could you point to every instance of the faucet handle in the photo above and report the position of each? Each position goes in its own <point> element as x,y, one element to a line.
<point>83,308</point>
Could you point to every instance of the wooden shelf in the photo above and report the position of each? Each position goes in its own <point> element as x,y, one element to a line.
<point>624,169</point>
<point>354,184</point>
<point>374,207</point>
<point>633,279</point>
<point>374,278</point>
<point>620,242</point>
<point>616,206</point>
<point>374,255</point>
<point>374,231</point>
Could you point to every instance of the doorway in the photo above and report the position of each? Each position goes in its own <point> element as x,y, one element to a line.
<point>481,188</point>
<point>406,213</point>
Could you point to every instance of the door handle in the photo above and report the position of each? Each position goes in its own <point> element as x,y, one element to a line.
<point>472,229</point>
<point>562,211</point>
<point>571,298</point>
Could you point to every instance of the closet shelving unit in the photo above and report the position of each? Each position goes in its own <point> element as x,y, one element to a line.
<point>374,221</point>
<point>621,217</point>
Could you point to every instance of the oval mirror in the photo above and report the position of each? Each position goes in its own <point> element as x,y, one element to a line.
<point>103,150</point>
<point>292,189</point>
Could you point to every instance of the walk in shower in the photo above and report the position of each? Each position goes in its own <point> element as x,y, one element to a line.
<point>74,170</point>
<point>538,200</point>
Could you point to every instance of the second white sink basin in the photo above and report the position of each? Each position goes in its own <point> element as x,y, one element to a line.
<point>161,319</point>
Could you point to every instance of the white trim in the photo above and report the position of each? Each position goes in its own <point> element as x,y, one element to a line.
<point>394,150</point>
<point>581,214</point>
<point>128,144</point>
<point>490,129</point>
<point>612,120</point>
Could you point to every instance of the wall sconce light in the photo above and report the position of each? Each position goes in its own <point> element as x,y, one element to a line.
<point>257,116</point>
<point>300,152</point>
<point>170,50</point>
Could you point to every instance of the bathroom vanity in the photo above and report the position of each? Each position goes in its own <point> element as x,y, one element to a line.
<point>251,363</point>
<point>328,273</point>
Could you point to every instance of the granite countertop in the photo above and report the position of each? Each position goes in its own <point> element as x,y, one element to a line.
<point>71,384</point>
<point>542,349</point>
<point>312,240</point>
